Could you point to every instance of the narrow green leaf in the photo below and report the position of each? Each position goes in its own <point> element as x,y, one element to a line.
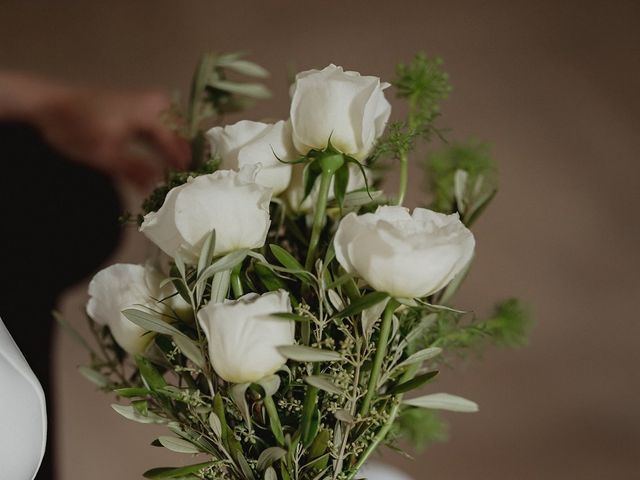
<point>94,376</point>
<point>359,198</point>
<point>285,258</point>
<point>362,303</point>
<point>220,286</point>
<point>238,396</point>
<point>152,378</point>
<point>206,252</point>
<point>190,350</point>
<point>270,474</point>
<point>269,456</point>
<point>270,385</point>
<point>132,392</point>
<point>344,416</point>
<point>176,472</point>
<point>443,401</point>
<point>341,180</point>
<point>323,382</point>
<point>178,445</point>
<point>289,316</point>
<point>223,263</point>
<point>130,413</point>
<point>421,356</point>
<point>245,67</point>
<point>311,172</point>
<point>150,322</point>
<point>215,424</point>
<point>413,383</point>
<point>301,353</point>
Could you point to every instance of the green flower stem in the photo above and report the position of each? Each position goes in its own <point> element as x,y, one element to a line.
<point>274,419</point>
<point>381,351</point>
<point>404,177</point>
<point>382,433</point>
<point>319,217</point>
<point>236,284</point>
<point>329,164</point>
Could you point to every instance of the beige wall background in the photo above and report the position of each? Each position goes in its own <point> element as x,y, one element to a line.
<point>554,86</point>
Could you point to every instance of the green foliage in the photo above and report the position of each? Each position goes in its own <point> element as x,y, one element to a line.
<point>424,85</point>
<point>510,324</point>
<point>340,394</point>
<point>462,177</point>
<point>420,427</point>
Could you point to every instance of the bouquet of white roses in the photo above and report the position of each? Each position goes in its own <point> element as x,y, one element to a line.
<point>295,306</point>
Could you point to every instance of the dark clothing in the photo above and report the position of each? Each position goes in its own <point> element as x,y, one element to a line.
<point>59,224</point>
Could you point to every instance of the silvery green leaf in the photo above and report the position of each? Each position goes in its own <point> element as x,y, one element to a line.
<point>128,412</point>
<point>224,263</point>
<point>177,472</point>
<point>269,456</point>
<point>421,356</point>
<point>190,350</point>
<point>220,286</point>
<point>441,308</point>
<point>150,322</point>
<point>244,465</point>
<point>412,384</point>
<point>371,315</point>
<point>177,445</point>
<point>362,303</point>
<point>325,383</point>
<point>206,252</point>
<point>337,434</point>
<point>270,384</point>
<point>253,90</point>
<point>409,302</point>
<point>238,396</point>
<point>443,401</point>
<point>94,376</point>
<point>215,424</point>
<point>179,261</point>
<point>359,198</point>
<point>270,474</point>
<point>245,67</point>
<point>459,189</point>
<point>301,353</point>
<point>335,300</point>
<point>344,416</point>
<point>478,207</point>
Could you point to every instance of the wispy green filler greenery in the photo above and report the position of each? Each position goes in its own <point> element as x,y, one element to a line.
<point>508,326</point>
<point>424,85</point>
<point>175,179</point>
<point>472,157</point>
<point>420,427</point>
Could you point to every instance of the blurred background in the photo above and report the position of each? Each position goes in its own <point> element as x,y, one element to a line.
<point>554,87</point>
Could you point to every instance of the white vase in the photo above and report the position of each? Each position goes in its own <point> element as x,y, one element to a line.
<point>380,471</point>
<point>23,414</point>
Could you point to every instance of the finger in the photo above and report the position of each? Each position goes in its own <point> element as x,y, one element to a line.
<point>174,150</point>
<point>142,172</point>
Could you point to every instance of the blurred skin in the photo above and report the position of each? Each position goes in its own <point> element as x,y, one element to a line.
<point>120,134</point>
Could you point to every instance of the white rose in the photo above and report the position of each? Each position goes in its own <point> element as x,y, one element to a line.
<point>348,108</point>
<point>227,201</point>
<point>401,254</point>
<point>295,192</point>
<point>243,338</point>
<point>250,143</point>
<point>117,288</point>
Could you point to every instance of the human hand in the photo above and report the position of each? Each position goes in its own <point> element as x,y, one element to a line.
<point>120,134</point>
